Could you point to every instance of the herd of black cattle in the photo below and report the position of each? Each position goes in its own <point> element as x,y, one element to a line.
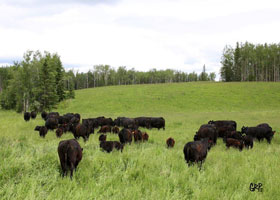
<point>70,151</point>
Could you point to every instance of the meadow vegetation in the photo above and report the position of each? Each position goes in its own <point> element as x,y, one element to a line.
<point>30,168</point>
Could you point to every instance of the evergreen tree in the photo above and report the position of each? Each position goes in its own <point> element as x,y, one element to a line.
<point>59,78</point>
<point>48,91</point>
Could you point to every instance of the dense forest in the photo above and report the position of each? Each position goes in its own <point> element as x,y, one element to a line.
<point>249,62</point>
<point>37,83</point>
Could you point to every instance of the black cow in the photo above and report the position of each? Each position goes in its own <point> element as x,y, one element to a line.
<point>27,116</point>
<point>265,125</point>
<point>80,130</point>
<point>137,134</point>
<point>119,121</point>
<point>224,130</point>
<point>75,120</point>
<point>196,151</point>
<point>105,129</point>
<point>206,131</point>
<point>64,127</point>
<point>77,115</point>
<point>106,121</point>
<point>223,123</point>
<point>33,114</point>
<point>52,115</point>
<point>125,136</point>
<point>145,136</point>
<point>42,130</point>
<point>170,142</point>
<point>51,123</point>
<point>259,133</point>
<point>157,122</point>
<point>67,117</point>
<point>248,141</point>
<point>110,145</point>
<point>115,129</point>
<point>233,134</point>
<point>61,120</point>
<point>59,132</point>
<point>230,142</point>
<point>102,138</point>
<point>144,122</point>
<point>44,115</point>
<point>70,154</point>
<point>90,124</point>
<point>129,123</point>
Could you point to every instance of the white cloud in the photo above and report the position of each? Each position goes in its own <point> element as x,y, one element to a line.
<point>175,34</point>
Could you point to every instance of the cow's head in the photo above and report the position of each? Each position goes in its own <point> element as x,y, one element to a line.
<point>244,129</point>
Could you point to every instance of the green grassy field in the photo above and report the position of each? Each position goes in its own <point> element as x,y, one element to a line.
<point>30,168</point>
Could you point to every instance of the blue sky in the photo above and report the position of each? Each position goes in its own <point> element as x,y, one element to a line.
<point>146,34</point>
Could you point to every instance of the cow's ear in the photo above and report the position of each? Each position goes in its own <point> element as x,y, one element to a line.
<point>273,132</point>
<point>82,149</point>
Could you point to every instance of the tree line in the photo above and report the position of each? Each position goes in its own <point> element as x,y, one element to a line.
<point>249,62</point>
<point>105,75</point>
<point>37,83</point>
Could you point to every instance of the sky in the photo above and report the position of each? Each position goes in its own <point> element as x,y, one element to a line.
<point>163,34</point>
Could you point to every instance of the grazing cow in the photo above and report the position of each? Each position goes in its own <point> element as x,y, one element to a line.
<point>44,115</point>
<point>119,121</point>
<point>42,130</point>
<point>52,115</point>
<point>115,129</point>
<point>125,136</point>
<point>75,120</point>
<point>51,123</point>
<point>233,134</point>
<point>78,116</point>
<point>33,114</point>
<point>137,134</point>
<point>26,116</point>
<point>106,121</point>
<point>61,120</point>
<point>80,130</point>
<point>59,132</point>
<point>170,142</point>
<point>222,131</point>
<point>144,122</point>
<point>110,145</point>
<point>68,116</point>
<point>130,123</point>
<point>102,138</point>
<point>223,123</point>
<point>157,122</point>
<point>230,142</point>
<point>265,125</point>
<point>64,127</point>
<point>70,154</point>
<point>145,136</point>
<point>90,124</point>
<point>259,133</point>
<point>196,151</point>
<point>248,141</point>
<point>105,129</point>
<point>206,131</point>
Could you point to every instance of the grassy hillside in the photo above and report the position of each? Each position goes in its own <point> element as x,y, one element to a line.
<point>30,169</point>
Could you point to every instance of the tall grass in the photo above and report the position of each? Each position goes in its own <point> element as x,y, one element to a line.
<point>30,169</point>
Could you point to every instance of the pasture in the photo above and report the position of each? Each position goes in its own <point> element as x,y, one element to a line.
<point>30,168</point>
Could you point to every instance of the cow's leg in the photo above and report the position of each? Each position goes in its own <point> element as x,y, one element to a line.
<point>71,170</point>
